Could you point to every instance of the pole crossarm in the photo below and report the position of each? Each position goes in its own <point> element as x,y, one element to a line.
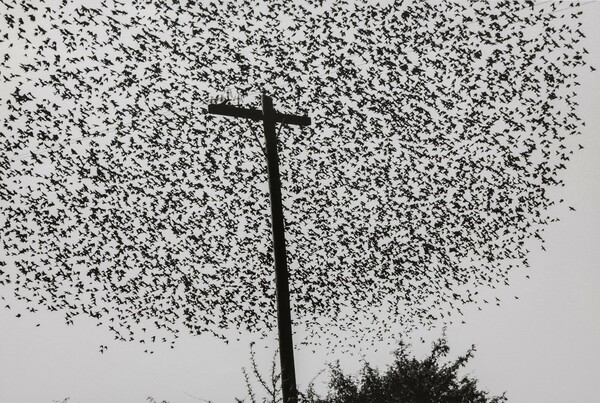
<point>257,114</point>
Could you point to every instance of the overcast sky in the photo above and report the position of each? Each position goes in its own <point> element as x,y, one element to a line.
<point>542,347</point>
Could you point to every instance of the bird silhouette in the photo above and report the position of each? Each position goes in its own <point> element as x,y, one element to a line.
<point>438,129</point>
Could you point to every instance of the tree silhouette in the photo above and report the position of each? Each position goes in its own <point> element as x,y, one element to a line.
<point>408,380</point>
<point>440,129</point>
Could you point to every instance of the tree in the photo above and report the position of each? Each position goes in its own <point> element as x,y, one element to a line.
<point>440,129</point>
<point>407,380</point>
<point>410,380</point>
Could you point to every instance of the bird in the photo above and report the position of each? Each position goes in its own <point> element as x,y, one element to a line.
<point>426,166</point>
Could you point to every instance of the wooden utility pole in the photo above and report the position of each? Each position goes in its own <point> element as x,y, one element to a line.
<point>284,321</point>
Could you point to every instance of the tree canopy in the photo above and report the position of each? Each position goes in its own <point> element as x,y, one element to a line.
<point>408,380</point>
<point>439,130</point>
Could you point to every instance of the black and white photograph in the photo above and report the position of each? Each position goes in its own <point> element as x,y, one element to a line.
<point>299,201</point>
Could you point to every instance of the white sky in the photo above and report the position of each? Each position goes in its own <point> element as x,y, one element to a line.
<point>543,347</point>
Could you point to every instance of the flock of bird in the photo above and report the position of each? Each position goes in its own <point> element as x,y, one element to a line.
<point>439,130</point>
